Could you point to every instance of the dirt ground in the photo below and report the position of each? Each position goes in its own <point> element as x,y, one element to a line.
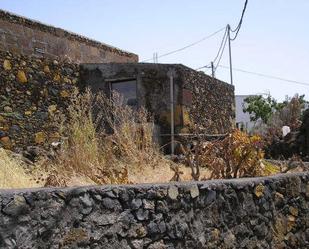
<point>163,174</point>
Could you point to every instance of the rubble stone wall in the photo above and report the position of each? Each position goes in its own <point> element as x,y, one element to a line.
<point>269,212</point>
<point>153,87</point>
<point>32,92</point>
<point>213,102</point>
<point>199,99</point>
<point>22,35</point>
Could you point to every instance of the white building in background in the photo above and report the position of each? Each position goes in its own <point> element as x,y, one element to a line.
<point>242,119</point>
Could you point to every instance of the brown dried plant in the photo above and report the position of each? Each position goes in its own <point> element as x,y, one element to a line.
<point>237,155</point>
<point>14,172</point>
<point>105,141</point>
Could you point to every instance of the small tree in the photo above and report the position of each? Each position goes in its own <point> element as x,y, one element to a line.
<point>260,107</point>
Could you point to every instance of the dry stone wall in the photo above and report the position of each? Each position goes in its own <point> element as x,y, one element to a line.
<point>26,36</point>
<point>199,99</point>
<point>213,102</point>
<point>248,213</point>
<point>32,92</point>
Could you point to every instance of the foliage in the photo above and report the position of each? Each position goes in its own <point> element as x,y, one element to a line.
<point>290,113</point>
<point>301,99</point>
<point>303,138</point>
<point>265,108</point>
<point>260,107</point>
<point>237,155</point>
<point>80,153</point>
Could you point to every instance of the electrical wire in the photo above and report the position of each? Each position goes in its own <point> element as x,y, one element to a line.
<point>207,66</point>
<point>225,38</point>
<point>219,53</point>
<point>221,45</point>
<point>267,76</point>
<point>222,51</point>
<point>237,29</point>
<point>188,46</point>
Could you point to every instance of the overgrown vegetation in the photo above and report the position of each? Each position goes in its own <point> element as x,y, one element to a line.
<point>274,116</point>
<point>265,108</point>
<point>237,155</point>
<point>304,134</point>
<point>13,172</point>
<point>105,140</point>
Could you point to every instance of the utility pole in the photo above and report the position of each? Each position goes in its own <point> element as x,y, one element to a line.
<point>212,70</point>
<point>230,51</point>
<point>171,74</point>
<point>155,57</point>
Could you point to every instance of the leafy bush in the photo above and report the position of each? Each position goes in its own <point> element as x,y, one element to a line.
<point>303,138</point>
<point>288,114</point>
<point>275,116</point>
<point>260,107</point>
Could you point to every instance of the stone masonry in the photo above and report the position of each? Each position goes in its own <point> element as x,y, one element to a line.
<point>198,98</point>
<point>32,92</point>
<point>270,212</point>
<point>20,35</point>
<point>40,66</point>
<point>33,89</point>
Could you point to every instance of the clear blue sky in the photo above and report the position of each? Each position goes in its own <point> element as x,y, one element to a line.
<point>274,38</point>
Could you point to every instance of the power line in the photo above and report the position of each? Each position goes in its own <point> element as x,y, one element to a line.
<point>222,42</point>
<point>227,37</point>
<point>267,76</point>
<point>221,54</point>
<point>207,66</point>
<point>188,46</point>
<point>240,22</point>
<point>234,38</point>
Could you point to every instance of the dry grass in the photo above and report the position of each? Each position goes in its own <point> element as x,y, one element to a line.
<point>105,145</point>
<point>80,154</point>
<point>103,142</point>
<point>107,142</point>
<point>13,173</point>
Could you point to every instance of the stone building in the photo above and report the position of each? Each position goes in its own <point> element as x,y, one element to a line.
<point>41,64</point>
<point>29,37</point>
<point>198,99</point>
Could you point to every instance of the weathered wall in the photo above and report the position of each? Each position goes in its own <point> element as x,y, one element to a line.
<point>22,35</point>
<point>263,213</point>
<point>213,103</point>
<point>153,87</point>
<point>32,91</point>
<point>199,99</point>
